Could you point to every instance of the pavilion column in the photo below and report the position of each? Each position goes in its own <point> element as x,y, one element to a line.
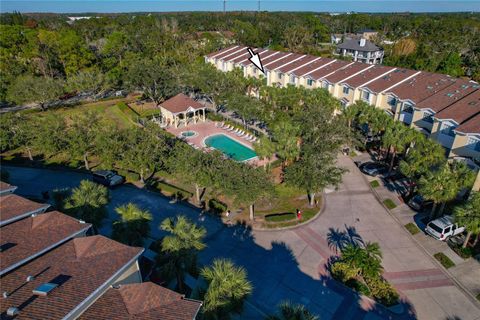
<point>204,117</point>
<point>185,118</point>
<point>175,120</point>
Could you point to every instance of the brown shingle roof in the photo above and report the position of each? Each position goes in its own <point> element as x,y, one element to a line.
<point>347,71</point>
<point>281,62</point>
<point>228,49</point>
<point>77,276</point>
<point>180,103</point>
<point>142,301</point>
<point>230,55</point>
<point>27,238</point>
<point>328,69</point>
<point>312,66</point>
<point>463,110</point>
<point>6,188</point>
<point>262,53</point>
<point>470,126</point>
<point>367,75</point>
<point>13,207</point>
<point>305,60</point>
<point>422,86</point>
<point>273,57</point>
<point>390,79</point>
<point>449,95</point>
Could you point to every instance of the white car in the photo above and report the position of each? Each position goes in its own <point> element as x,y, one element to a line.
<point>443,228</point>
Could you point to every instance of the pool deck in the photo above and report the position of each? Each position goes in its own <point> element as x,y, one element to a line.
<point>208,128</point>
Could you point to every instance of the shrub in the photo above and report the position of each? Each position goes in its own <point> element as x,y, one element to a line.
<point>129,175</point>
<point>444,260</point>
<point>389,203</point>
<point>374,184</point>
<point>277,217</point>
<point>358,286</point>
<point>412,228</point>
<point>382,291</point>
<point>343,272</point>
<point>217,207</point>
<point>464,253</point>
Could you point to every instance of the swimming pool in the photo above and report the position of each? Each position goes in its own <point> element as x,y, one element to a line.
<point>188,134</point>
<point>230,147</point>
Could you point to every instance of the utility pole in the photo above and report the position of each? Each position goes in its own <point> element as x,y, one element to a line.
<point>224,6</point>
<point>258,6</point>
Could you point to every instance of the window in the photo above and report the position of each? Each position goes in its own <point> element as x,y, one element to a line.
<point>280,75</point>
<point>392,101</point>
<point>309,82</point>
<point>473,143</point>
<point>345,89</point>
<point>254,70</point>
<point>407,108</point>
<point>366,96</point>
<point>292,79</point>
<point>447,129</point>
<point>325,85</point>
<point>427,117</point>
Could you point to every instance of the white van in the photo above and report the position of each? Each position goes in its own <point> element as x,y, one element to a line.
<point>443,228</point>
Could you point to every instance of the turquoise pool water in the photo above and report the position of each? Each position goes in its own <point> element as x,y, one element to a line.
<point>230,147</point>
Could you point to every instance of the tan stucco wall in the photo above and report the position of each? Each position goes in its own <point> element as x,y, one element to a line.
<point>460,149</point>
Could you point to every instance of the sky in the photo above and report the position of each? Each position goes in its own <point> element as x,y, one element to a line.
<point>108,6</point>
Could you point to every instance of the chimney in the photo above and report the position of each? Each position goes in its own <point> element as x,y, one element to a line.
<point>362,42</point>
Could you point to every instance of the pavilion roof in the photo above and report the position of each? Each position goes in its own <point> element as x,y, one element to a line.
<point>181,103</point>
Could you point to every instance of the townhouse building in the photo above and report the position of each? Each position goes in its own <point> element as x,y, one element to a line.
<point>441,107</point>
<point>51,267</point>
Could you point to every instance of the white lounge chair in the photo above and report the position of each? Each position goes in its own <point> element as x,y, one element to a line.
<point>254,139</point>
<point>241,133</point>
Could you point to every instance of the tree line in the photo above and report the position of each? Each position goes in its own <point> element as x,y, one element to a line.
<point>44,57</point>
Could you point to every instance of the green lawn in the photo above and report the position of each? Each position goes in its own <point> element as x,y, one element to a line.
<point>444,260</point>
<point>412,228</point>
<point>281,211</point>
<point>389,203</point>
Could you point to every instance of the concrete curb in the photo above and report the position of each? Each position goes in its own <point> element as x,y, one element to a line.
<point>315,217</point>
<point>421,247</point>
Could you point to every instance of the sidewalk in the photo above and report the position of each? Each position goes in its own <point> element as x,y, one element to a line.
<point>466,272</point>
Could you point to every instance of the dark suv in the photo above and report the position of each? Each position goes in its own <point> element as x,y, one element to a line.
<point>107,178</point>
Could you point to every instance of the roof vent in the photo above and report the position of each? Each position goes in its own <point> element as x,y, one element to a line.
<point>12,311</point>
<point>363,42</point>
<point>81,221</point>
<point>30,278</point>
<point>44,289</point>
<point>115,286</point>
<point>33,215</point>
<point>5,294</point>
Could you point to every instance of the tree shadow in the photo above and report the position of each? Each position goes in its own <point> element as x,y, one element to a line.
<point>275,273</point>
<point>338,239</point>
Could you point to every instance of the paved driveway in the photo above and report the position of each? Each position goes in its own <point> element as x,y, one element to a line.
<point>289,265</point>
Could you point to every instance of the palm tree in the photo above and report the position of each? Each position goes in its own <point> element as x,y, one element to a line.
<point>88,202</point>
<point>396,139</point>
<point>438,186</point>
<point>181,246</point>
<point>133,226</point>
<point>228,287</point>
<point>366,259</point>
<point>265,149</point>
<point>468,215</point>
<point>289,311</point>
